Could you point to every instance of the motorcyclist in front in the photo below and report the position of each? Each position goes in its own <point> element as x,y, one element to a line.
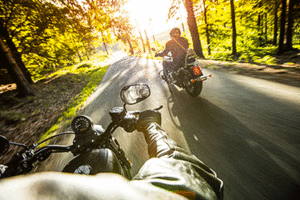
<point>178,47</point>
<point>170,173</point>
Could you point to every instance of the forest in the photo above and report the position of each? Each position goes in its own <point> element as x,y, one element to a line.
<point>40,36</point>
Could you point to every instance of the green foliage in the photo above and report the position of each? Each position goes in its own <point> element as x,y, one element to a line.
<point>261,55</point>
<point>254,23</point>
<point>269,60</point>
<point>52,34</point>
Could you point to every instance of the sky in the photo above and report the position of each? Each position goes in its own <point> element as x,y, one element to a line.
<point>157,10</point>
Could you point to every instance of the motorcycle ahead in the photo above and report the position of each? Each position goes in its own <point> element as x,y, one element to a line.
<point>96,150</point>
<point>189,76</point>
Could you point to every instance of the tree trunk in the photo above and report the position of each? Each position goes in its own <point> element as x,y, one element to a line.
<point>282,27</point>
<point>142,42</point>
<point>266,27</point>
<point>233,28</point>
<point>275,23</point>
<point>259,25</point>
<point>206,24</point>
<point>105,47</point>
<point>130,46</point>
<point>79,56</point>
<point>289,33</point>
<point>147,41</point>
<point>14,71</point>
<point>15,53</point>
<point>191,20</point>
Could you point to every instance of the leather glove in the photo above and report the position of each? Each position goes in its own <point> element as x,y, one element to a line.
<point>146,118</point>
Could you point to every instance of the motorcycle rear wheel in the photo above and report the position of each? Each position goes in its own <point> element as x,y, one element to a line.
<point>168,81</point>
<point>193,89</point>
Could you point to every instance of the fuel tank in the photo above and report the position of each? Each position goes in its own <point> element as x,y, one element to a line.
<point>94,162</point>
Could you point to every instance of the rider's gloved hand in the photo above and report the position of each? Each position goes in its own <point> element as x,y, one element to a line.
<point>146,118</point>
<point>156,55</point>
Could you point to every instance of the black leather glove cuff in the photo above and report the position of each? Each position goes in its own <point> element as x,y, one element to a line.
<point>146,118</point>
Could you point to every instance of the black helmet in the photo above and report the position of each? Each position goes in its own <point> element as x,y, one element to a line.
<point>173,31</point>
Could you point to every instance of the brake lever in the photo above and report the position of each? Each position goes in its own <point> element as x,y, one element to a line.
<point>160,107</point>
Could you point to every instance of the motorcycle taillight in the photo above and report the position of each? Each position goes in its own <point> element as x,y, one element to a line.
<point>197,70</point>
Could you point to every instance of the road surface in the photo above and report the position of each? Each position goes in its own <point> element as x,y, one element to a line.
<point>245,129</point>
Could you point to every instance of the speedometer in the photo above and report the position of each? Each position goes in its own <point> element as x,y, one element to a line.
<point>81,124</point>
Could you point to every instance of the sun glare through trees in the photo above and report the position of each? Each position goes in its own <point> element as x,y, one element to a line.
<point>152,15</point>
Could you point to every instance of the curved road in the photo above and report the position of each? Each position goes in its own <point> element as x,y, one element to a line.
<point>245,129</point>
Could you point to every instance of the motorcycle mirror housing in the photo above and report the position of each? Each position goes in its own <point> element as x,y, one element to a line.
<point>135,93</point>
<point>4,145</point>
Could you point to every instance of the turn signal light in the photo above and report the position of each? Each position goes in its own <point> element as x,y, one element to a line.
<point>197,70</point>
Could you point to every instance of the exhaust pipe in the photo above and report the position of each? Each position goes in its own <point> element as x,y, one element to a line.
<point>201,78</point>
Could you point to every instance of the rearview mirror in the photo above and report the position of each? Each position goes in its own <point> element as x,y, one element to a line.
<point>4,145</point>
<point>133,94</point>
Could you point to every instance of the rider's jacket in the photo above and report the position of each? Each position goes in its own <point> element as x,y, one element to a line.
<point>170,168</point>
<point>178,49</point>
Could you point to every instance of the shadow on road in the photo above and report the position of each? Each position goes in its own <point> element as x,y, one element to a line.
<point>234,151</point>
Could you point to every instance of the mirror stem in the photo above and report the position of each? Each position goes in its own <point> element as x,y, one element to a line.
<point>124,106</point>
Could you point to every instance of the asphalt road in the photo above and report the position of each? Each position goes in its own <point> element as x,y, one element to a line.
<point>246,129</point>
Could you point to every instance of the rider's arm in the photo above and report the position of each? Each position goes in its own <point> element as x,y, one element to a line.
<point>173,168</point>
<point>166,50</point>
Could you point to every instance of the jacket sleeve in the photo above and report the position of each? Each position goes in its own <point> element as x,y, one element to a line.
<point>175,169</point>
<point>166,50</point>
<point>186,43</point>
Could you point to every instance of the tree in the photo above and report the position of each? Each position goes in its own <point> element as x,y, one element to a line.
<point>206,27</point>
<point>275,22</point>
<point>282,27</point>
<point>147,41</point>
<point>23,24</point>
<point>191,21</point>
<point>124,31</point>
<point>142,40</point>
<point>289,33</point>
<point>233,28</point>
<point>43,33</point>
<point>192,24</point>
<point>23,86</point>
<point>16,54</point>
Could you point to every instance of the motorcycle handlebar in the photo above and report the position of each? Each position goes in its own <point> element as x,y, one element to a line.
<point>131,119</point>
<point>23,162</point>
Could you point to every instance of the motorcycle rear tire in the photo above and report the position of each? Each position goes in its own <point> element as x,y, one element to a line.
<point>193,89</point>
<point>168,81</point>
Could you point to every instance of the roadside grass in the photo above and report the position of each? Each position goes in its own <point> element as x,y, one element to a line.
<point>262,55</point>
<point>93,73</point>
